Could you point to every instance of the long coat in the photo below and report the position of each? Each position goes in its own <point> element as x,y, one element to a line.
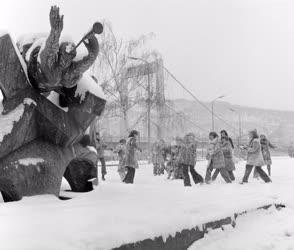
<point>265,146</point>
<point>254,155</point>
<point>187,154</point>
<point>216,154</point>
<point>228,155</point>
<point>157,154</point>
<point>130,159</point>
<point>121,151</point>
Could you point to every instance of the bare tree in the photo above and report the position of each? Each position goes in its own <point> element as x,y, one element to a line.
<point>110,70</point>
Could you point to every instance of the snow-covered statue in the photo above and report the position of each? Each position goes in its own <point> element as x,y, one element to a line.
<point>39,140</point>
<point>53,65</point>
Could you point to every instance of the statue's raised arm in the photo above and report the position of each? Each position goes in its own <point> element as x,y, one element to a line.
<point>49,55</point>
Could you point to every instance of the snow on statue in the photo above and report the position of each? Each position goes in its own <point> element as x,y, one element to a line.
<point>52,65</point>
<point>36,133</point>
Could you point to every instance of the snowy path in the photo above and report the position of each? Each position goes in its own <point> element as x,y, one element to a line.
<point>116,213</point>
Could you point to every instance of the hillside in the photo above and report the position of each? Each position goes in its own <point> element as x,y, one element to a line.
<point>276,124</point>
<point>182,116</point>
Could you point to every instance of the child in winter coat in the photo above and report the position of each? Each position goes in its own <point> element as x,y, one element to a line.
<point>121,151</point>
<point>265,149</point>
<point>254,158</point>
<point>226,147</point>
<point>215,158</point>
<point>187,160</point>
<point>130,160</point>
<point>169,164</point>
<point>178,171</point>
<point>157,158</point>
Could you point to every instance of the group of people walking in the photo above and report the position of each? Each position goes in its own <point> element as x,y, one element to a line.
<point>126,151</point>
<point>179,159</point>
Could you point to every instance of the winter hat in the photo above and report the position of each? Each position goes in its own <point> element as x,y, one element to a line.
<point>213,134</point>
<point>253,133</point>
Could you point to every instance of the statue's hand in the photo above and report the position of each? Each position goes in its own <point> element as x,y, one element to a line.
<point>56,21</point>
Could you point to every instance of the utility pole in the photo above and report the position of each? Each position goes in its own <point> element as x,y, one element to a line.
<point>148,99</point>
<point>212,116</point>
<point>149,109</point>
<point>212,110</point>
<point>240,124</point>
<point>240,128</point>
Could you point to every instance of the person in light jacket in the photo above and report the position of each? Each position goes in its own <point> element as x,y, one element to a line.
<point>130,159</point>
<point>121,151</point>
<point>254,158</point>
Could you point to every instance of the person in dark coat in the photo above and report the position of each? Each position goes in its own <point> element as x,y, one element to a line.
<point>178,170</point>
<point>157,158</point>
<point>215,159</point>
<point>254,158</point>
<point>226,147</point>
<point>130,159</point>
<point>224,133</point>
<point>100,147</point>
<point>163,153</point>
<point>291,150</point>
<point>187,160</point>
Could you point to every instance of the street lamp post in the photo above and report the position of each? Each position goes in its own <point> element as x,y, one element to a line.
<point>240,125</point>
<point>148,99</point>
<point>212,110</point>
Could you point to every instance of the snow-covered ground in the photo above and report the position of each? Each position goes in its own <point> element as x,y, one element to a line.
<point>259,230</point>
<point>116,213</point>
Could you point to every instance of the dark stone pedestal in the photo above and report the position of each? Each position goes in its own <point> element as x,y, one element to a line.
<point>35,168</point>
<point>78,173</point>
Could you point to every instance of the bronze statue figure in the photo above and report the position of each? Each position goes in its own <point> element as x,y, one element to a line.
<point>53,67</point>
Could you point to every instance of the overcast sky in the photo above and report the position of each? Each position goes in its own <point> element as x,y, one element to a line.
<point>241,48</point>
